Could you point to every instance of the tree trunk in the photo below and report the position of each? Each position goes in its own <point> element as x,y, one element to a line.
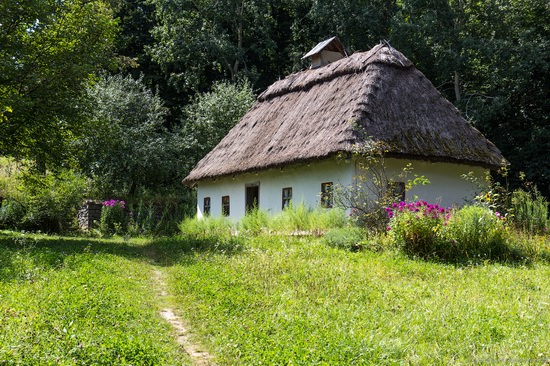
<point>457,86</point>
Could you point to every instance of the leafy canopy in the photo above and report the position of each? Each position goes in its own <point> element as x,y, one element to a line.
<point>48,51</point>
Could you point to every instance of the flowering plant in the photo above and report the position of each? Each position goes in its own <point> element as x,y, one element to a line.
<point>113,217</point>
<point>113,203</point>
<point>415,226</point>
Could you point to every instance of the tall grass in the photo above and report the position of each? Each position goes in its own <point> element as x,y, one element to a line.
<point>255,221</point>
<point>293,219</point>
<point>530,211</point>
<point>475,232</point>
<point>300,218</point>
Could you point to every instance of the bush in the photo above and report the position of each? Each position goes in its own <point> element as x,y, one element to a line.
<point>51,201</point>
<point>474,232</point>
<point>114,219</point>
<point>11,214</point>
<point>529,211</point>
<point>415,227</point>
<point>349,238</point>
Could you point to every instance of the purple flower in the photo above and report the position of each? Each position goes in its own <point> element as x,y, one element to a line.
<point>113,203</point>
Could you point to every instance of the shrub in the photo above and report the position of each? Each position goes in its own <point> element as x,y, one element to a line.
<point>474,232</point>
<point>349,238</point>
<point>414,227</point>
<point>114,219</point>
<point>470,233</point>
<point>11,214</point>
<point>529,211</point>
<point>51,201</point>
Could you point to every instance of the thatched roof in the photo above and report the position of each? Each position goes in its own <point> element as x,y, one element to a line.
<point>318,113</point>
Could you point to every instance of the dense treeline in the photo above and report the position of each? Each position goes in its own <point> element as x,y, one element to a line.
<point>129,94</point>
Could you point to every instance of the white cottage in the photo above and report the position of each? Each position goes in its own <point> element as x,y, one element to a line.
<point>289,145</point>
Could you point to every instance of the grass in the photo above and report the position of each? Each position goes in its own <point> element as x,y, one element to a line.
<point>296,301</point>
<point>79,302</point>
<point>264,299</point>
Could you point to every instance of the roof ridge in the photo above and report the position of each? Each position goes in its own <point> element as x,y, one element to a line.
<point>304,80</point>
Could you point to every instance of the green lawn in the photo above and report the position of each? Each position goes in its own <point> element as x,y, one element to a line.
<point>267,300</point>
<point>79,302</point>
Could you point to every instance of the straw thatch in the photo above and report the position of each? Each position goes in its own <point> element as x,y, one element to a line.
<point>369,96</point>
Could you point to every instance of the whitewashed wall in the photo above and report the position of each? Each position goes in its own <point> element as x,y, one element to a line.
<point>305,181</point>
<point>447,187</point>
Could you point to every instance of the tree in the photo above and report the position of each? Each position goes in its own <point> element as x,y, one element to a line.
<point>210,116</point>
<point>492,59</point>
<point>48,51</point>
<point>198,42</point>
<point>126,148</point>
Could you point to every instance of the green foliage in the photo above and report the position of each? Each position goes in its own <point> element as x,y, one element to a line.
<point>210,233</point>
<point>80,302</point>
<point>12,213</point>
<point>492,194</point>
<point>208,227</point>
<point>158,216</point>
<point>210,116</point>
<point>323,219</point>
<point>415,227</point>
<point>49,52</point>
<point>255,221</point>
<point>225,39</point>
<point>294,217</point>
<point>44,202</point>
<point>470,234</point>
<point>474,233</point>
<point>114,219</point>
<point>127,150</point>
<point>300,218</point>
<point>350,238</point>
<point>529,211</point>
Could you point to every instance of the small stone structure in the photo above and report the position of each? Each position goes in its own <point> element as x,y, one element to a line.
<point>89,213</point>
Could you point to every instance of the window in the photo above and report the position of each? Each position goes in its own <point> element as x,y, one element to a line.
<point>206,206</point>
<point>396,190</point>
<point>225,205</point>
<point>327,199</point>
<point>287,196</point>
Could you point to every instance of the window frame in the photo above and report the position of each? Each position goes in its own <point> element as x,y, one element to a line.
<point>226,206</point>
<point>397,190</point>
<point>206,208</point>
<point>286,200</point>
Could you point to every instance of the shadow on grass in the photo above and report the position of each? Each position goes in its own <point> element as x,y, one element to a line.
<point>505,255</point>
<point>50,252</point>
<point>182,250</point>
